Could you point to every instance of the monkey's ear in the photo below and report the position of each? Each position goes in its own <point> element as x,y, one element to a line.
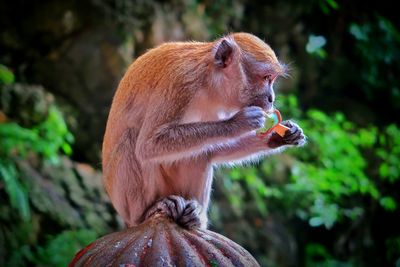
<point>224,53</point>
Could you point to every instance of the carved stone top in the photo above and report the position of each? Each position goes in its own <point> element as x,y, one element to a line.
<point>160,242</point>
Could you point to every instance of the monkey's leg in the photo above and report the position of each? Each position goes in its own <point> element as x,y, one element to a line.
<point>129,192</point>
<point>183,212</point>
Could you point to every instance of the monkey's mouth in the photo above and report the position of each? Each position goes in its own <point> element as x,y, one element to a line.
<point>262,102</point>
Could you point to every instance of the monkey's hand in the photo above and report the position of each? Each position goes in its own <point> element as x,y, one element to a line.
<point>249,119</point>
<point>294,136</point>
<point>184,212</point>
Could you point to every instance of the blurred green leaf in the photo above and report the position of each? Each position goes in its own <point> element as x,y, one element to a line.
<point>333,4</point>
<point>15,190</point>
<point>318,256</point>
<point>359,32</point>
<point>60,249</point>
<point>6,76</point>
<point>388,203</point>
<point>327,5</point>
<point>315,44</point>
<point>45,139</point>
<point>326,215</point>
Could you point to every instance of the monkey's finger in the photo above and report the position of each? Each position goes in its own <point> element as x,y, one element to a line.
<point>190,216</point>
<point>191,207</point>
<point>293,137</point>
<point>173,211</point>
<point>293,131</point>
<point>190,221</point>
<point>179,201</point>
<point>299,141</point>
<point>176,205</point>
<point>158,207</point>
<point>191,224</point>
<point>288,123</point>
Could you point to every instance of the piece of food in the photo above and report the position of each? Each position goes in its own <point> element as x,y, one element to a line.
<point>280,129</point>
<point>273,124</point>
<point>271,119</point>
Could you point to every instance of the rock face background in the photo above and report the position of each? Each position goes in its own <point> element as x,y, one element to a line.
<point>70,194</point>
<point>79,52</point>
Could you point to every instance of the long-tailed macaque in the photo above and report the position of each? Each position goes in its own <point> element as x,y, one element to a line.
<point>181,109</point>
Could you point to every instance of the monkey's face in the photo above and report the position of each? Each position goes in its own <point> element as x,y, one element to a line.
<point>251,67</point>
<point>259,78</point>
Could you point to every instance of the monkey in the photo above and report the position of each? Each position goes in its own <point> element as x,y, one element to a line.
<point>181,109</point>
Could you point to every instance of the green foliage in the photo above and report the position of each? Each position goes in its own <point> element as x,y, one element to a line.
<point>318,256</point>
<point>18,235</point>
<point>330,176</point>
<point>220,15</point>
<point>328,5</point>
<point>331,168</point>
<point>6,76</point>
<point>41,145</point>
<point>16,191</point>
<point>389,154</point>
<point>315,46</point>
<point>60,249</point>
<point>393,249</point>
<point>342,174</point>
<point>45,140</point>
<point>377,45</point>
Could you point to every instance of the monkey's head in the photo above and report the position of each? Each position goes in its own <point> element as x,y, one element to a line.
<point>247,68</point>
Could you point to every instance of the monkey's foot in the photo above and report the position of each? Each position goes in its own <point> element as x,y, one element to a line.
<point>183,212</point>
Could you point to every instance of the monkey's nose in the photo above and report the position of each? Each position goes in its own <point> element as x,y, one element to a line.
<point>271,98</point>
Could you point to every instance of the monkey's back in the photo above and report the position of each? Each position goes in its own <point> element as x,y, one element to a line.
<point>156,83</point>
<point>153,75</point>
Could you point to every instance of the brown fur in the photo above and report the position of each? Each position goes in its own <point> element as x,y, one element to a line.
<point>177,112</point>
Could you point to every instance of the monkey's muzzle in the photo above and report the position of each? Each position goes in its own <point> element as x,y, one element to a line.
<point>263,101</point>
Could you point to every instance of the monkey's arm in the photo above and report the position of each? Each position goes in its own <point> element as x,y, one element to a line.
<point>244,149</point>
<point>172,141</point>
<point>252,146</point>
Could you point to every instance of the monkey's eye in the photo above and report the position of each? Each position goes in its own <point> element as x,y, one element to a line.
<point>268,77</point>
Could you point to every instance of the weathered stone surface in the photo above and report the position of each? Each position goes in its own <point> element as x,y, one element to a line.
<point>160,242</point>
<point>71,194</point>
<point>25,104</point>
